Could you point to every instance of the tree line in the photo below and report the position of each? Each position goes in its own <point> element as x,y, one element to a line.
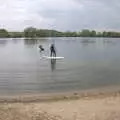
<point>31,32</point>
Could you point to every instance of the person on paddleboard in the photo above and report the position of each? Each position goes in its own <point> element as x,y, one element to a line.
<point>52,50</point>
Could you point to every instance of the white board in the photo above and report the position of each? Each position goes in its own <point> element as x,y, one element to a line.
<point>47,57</point>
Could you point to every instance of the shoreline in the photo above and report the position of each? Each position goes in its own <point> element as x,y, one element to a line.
<point>92,105</point>
<point>61,96</point>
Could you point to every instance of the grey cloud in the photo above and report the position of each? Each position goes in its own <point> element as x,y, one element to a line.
<point>62,15</point>
<point>95,14</point>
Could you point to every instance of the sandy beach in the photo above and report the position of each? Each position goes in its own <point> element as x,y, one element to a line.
<point>87,106</point>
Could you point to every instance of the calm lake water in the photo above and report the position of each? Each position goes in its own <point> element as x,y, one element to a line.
<point>89,63</point>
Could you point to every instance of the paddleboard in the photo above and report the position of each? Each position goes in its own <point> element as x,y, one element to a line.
<point>48,57</point>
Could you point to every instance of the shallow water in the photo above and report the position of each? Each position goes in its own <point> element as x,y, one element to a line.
<point>89,63</point>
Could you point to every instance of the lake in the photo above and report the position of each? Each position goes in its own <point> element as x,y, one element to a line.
<point>88,63</point>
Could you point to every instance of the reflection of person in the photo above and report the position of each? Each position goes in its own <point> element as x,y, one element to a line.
<point>41,48</point>
<point>52,50</point>
<point>53,64</point>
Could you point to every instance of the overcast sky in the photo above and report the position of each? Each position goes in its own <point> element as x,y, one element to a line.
<point>60,14</point>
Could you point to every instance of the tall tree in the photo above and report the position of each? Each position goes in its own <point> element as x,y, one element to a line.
<point>30,32</point>
<point>3,33</point>
<point>85,33</point>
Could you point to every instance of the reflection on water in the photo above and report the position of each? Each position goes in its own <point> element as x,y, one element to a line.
<point>30,42</point>
<point>3,42</point>
<point>88,63</point>
<point>53,64</point>
<point>87,41</point>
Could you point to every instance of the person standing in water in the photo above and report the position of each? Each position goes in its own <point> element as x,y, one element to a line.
<point>41,48</point>
<point>52,50</point>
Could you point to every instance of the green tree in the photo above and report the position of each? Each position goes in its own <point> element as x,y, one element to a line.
<point>93,33</point>
<point>16,34</point>
<point>30,32</point>
<point>85,33</point>
<point>3,33</point>
<point>104,34</point>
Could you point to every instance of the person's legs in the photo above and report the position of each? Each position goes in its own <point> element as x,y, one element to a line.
<point>51,53</point>
<point>54,53</point>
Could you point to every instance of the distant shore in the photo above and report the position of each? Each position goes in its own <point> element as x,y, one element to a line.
<point>35,32</point>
